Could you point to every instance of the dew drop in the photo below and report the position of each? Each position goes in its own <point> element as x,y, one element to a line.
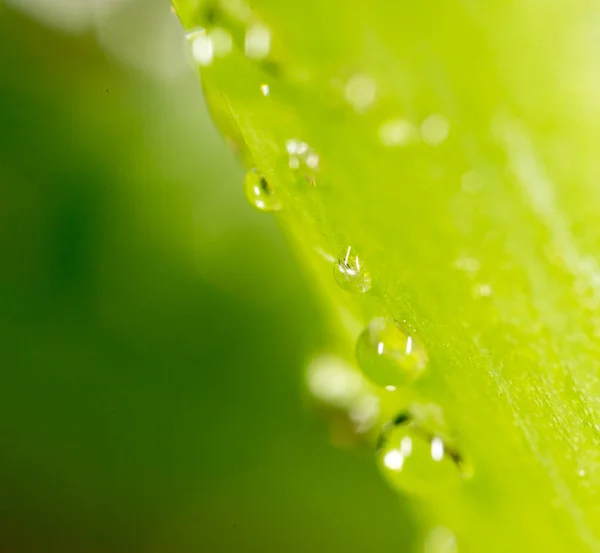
<point>331,380</point>
<point>222,42</point>
<point>417,462</point>
<point>441,540</point>
<point>303,159</point>
<point>435,129</point>
<point>259,193</point>
<point>397,132</point>
<point>360,92</point>
<point>202,47</point>
<point>388,355</point>
<point>482,290</point>
<point>265,89</point>
<point>350,273</point>
<point>257,43</point>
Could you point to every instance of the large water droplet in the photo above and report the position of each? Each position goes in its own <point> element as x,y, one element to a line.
<point>418,462</point>
<point>389,355</point>
<point>441,540</point>
<point>350,272</point>
<point>259,193</point>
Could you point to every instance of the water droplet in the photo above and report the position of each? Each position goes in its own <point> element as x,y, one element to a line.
<point>441,540</point>
<point>257,43</point>
<point>418,462</point>
<point>350,273</point>
<point>388,355</point>
<point>331,380</point>
<point>364,413</point>
<point>360,92</point>
<point>221,41</point>
<point>435,129</point>
<point>312,160</point>
<point>291,146</point>
<point>259,193</point>
<point>303,158</point>
<point>397,132</point>
<point>265,89</point>
<point>482,291</point>
<point>202,47</point>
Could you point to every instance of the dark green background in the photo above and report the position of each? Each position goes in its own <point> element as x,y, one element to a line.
<point>153,329</point>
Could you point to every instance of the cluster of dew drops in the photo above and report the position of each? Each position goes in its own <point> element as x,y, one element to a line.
<point>415,457</point>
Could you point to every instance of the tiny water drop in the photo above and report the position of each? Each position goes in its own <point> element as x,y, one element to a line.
<point>397,132</point>
<point>202,47</point>
<point>418,462</point>
<point>435,129</point>
<point>441,540</point>
<point>482,290</point>
<point>389,355</point>
<point>222,42</point>
<point>331,380</point>
<point>259,193</point>
<point>360,92</point>
<point>303,159</point>
<point>257,43</point>
<point>265,89</point>
<point>350,273</point>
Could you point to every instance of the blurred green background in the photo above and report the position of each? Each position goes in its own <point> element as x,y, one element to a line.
<point>153,327</point>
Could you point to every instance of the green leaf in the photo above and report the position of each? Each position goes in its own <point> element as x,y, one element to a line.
<point>457,152</point>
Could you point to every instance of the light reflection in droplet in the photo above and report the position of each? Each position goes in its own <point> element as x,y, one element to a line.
<point>394,459</point>
<point>202,47</point>
<point>437,449</point>
<point>408,345</point>
<point>291,146</point>
<point>265,89</point>
<point>406,446</point>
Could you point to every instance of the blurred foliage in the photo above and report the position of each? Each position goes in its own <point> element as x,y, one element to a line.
<point>152,328</point>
